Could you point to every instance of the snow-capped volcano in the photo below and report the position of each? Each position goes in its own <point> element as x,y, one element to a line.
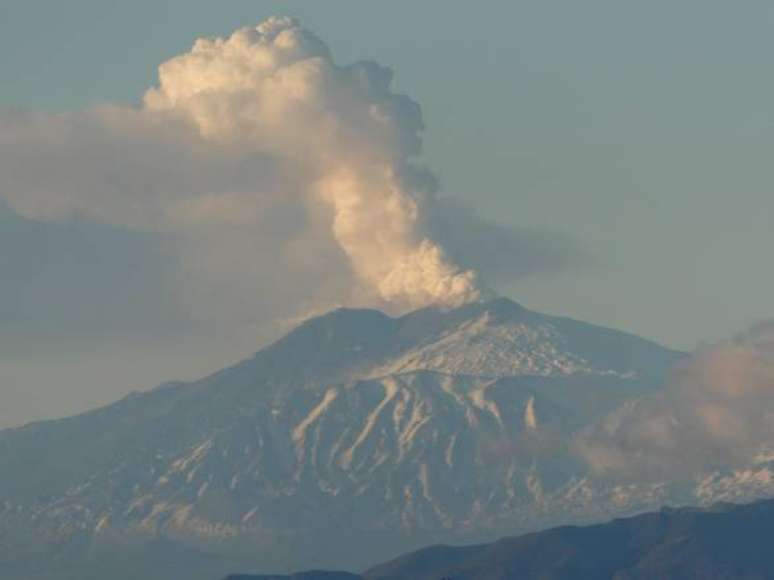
<point>498,338</point>
<point>351,439</point>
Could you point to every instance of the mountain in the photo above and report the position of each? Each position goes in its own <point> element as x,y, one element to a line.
<point>312,575</point>
<point>723,543</point>
<point>354,438</point>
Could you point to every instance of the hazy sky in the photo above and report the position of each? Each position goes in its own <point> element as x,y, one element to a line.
<point>642,131</point>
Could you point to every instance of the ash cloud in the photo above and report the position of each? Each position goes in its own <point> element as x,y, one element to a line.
<point>503,253</point>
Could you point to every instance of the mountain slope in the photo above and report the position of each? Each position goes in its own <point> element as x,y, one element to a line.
<point>731,542</point>
<point>722,543</point>
<point>311,575</point>
<point>355,437</point>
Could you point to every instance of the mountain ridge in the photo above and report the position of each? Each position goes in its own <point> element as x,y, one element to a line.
<point>722,542</point>
<point>393,335</point>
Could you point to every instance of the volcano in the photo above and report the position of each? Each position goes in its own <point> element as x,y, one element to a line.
<point>354,438</point>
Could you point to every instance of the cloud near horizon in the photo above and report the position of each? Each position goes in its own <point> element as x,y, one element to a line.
<point>715,412</point>
<point>282,182</point>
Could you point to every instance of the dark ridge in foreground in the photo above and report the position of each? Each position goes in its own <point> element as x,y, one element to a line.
<point>722,543</point>
<point>312,575</point>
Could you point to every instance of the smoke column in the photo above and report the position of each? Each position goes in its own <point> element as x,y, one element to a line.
<point>275,88</point>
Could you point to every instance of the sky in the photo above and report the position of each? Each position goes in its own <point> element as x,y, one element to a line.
<point>627,145</point>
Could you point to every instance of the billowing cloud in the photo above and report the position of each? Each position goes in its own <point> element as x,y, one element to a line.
<point>716,411</point>
<point>285,182</point>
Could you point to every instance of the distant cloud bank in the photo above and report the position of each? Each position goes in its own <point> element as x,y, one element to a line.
<point>716,411</point>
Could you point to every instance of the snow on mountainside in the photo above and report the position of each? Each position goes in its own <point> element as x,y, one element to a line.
<point>498,338</point>
<point>486,345</point>
<point>353,438</point>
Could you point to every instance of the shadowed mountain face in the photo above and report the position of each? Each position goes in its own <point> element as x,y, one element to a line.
<point>723,543</point>
<point>312,575</point>
<point>354,438</point>
<point>730,543</point>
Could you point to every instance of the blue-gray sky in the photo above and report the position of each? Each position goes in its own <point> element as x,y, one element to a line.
<point>642,130</point>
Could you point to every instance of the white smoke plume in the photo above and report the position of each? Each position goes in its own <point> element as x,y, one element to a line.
<point>276,87</point>
<point>271,183</point>
<point>715,412</point>
<point>240,129</point>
